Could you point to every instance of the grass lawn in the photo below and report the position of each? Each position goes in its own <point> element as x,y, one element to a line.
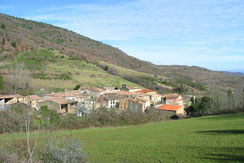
<point>204,139</point>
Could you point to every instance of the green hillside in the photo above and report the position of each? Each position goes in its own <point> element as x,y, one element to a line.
<point>54,71</point>
<point>18,35</point>
<point>205,139</point>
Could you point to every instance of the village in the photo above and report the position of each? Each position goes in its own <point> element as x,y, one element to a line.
<point>88,99</point>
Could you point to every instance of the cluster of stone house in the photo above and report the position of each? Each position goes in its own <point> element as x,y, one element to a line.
<point>88,99</point>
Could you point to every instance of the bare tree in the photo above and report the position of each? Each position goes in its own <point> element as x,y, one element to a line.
<point>18,78</point>
<point>30,151</point>
<point>243,99</point>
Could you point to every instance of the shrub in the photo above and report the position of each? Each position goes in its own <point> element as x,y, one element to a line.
<point>68,150</point>
<point>3,41</point>
<point>9,158</point>
<point>106,68</point>
<point>77,87</point>
<point>13,44</point>
<point>3,26</point>
<point>47,117</point>
<point>65,76</point>
<point>13,119</point>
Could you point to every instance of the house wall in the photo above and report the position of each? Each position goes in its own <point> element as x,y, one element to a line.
<point>112,103</point>
<point>147,104</point>
<point>156,98</point>
<point>136,107</point>
<point>2,102</point>
<point>33,104</point>
<point>123,104</point>
<point>73,109</point>
<point>12,101</point>
<point>23,100</point>
<point>164,113</point>
<point>180,111</point>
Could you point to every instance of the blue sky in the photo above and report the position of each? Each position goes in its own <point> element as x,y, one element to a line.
<point>206,33</point>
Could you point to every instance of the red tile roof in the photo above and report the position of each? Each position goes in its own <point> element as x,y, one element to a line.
<point>10,96</point>
<point>125,93</point>
<point>170,107</point>
<point>136,100</point>
<point>171,96</point>
<point>145,91</point>
<point>60,100</point>
<point>142,99</point>
<point>34,97</point>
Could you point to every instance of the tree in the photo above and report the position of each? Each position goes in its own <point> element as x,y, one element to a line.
<point>1,82</point>
<point>243,99</point>
<point>201,106</point>
<point>106,68</point>
<point>230,99</point>
<point>205,104</point>
<point>13,44</point>
<point>180,89</point>
<point>3,41</point>
<point>18,78</point>
<point>3,26</point>
<point>77,87</point>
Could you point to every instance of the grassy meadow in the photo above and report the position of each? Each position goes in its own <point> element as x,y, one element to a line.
<point>205,139</point>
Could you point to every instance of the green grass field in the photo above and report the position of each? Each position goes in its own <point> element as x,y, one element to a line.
<point>204,139</point>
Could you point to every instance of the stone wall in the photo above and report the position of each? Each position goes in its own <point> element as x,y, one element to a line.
<point>51,105</point>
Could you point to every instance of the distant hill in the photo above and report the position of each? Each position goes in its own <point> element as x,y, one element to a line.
<point>18,36</point>
<point>238,73</point>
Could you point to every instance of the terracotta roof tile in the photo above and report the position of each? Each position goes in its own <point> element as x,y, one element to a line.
<point>170,107</point>
<point>34,97</point>
<point>136,100</point>
<point>142,99</point>
<point>171,96</point>
<point>10,96</point>
<point>146,91</point>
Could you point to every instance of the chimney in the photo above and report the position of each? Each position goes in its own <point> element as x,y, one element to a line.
<point>124,86</point>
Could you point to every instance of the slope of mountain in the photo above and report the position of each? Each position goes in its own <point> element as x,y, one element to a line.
<point>54,71</point>
<point>20,35</point>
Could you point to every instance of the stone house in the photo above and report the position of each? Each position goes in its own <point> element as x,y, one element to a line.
<point>145,100</point>
<point>60,104</point>
<point>174,109</point>
<point>11,99</point>
<point>147,91</point>
<point>135,105</point>
<point>172,99</point>
<point>123,104</point>
<point>129,89</point>
<point>33,101</point>
<point>153,96</point>
<point>7,100</point>
<point>110,101</point>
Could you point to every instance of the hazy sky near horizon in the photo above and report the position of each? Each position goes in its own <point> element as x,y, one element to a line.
<point>206,33</point>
